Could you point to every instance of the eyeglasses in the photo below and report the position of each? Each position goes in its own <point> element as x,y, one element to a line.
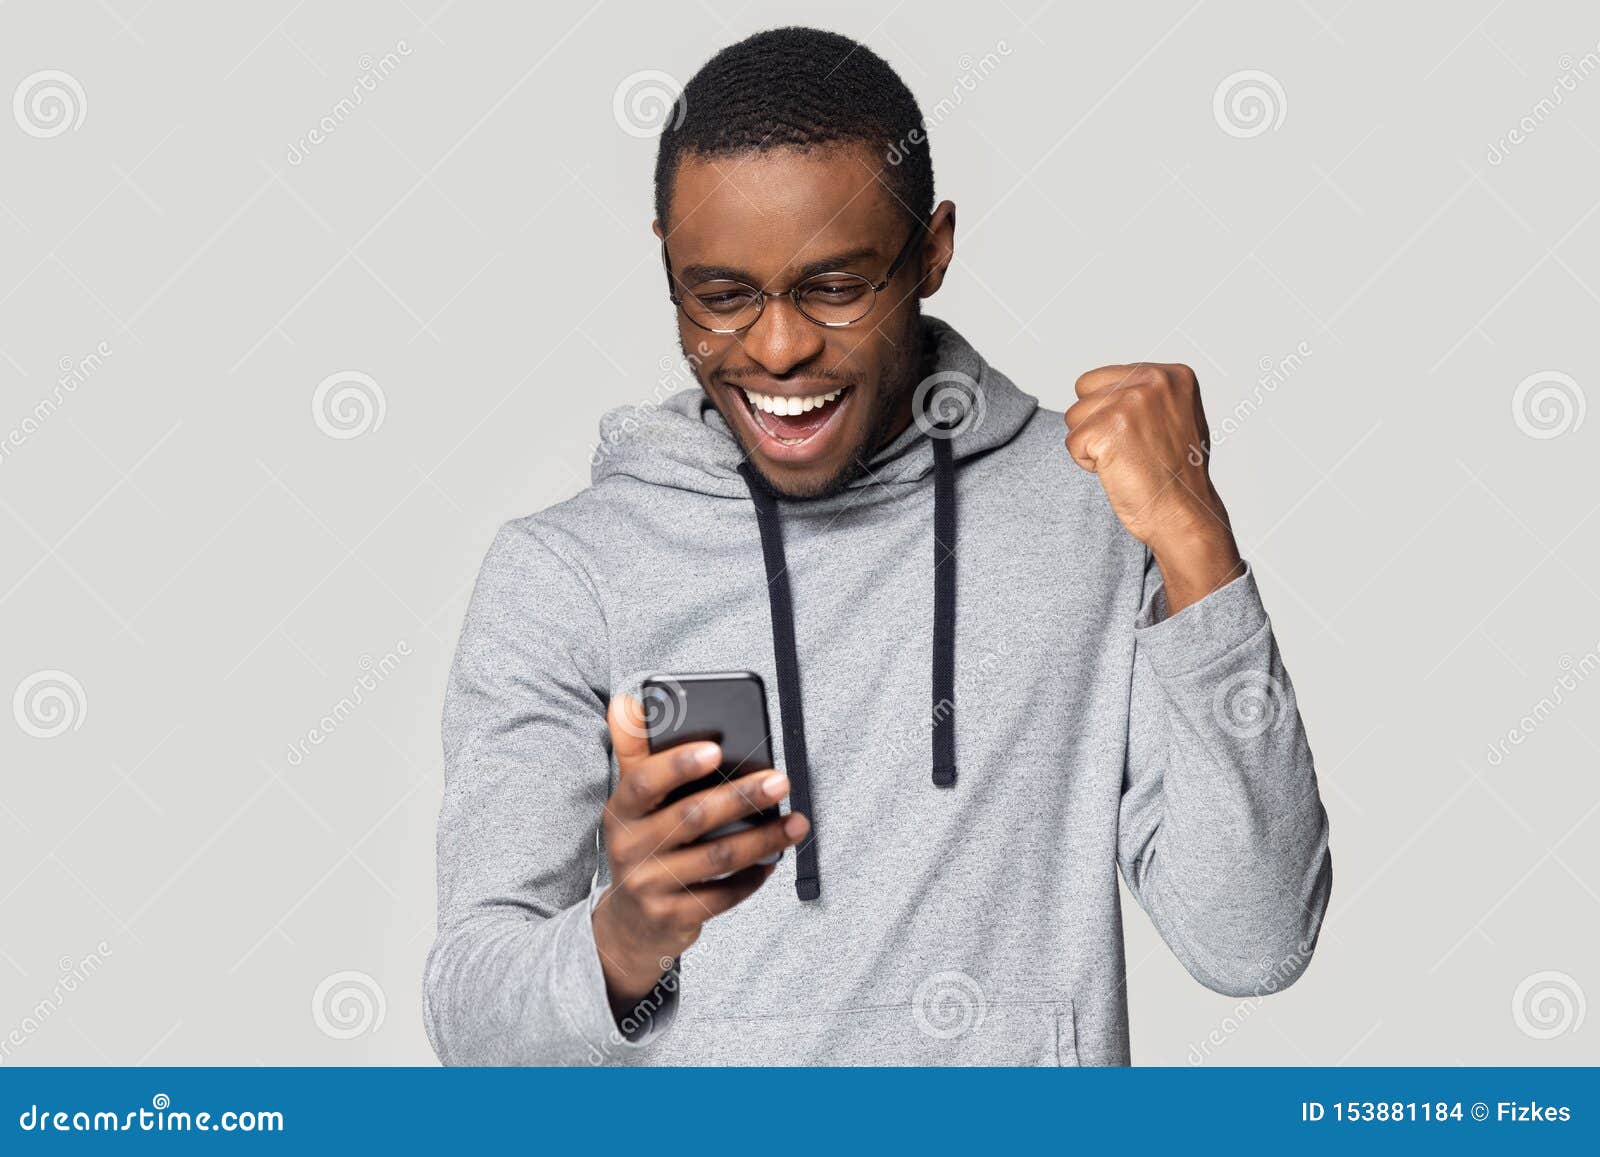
<point>828,299</point>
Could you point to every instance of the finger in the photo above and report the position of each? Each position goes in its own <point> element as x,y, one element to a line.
<point>629,737</point>
<point>642,790</point>
<point>716,897</point>
<point>644,780</point>
<point>1088,439</point>
<point>706,811</point>
<point>726,854</point>
<point>1099,381</point>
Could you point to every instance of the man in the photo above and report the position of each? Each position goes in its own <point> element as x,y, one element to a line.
<point>1003,668</point>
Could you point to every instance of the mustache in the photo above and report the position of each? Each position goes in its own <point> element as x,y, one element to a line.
<point>740,376</point>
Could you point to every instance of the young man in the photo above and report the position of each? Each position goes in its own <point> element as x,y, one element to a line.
<point>998,669</point>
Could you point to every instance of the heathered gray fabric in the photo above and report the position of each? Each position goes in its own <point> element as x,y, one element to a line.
<point>972,925</point>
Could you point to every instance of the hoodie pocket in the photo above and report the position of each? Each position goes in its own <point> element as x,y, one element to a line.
<point>997,1033</point>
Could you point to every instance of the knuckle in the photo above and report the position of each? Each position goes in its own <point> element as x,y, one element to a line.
<point>621,850</point>
<point>635,886</point>
<point>658,909</point>
<point>720,854</point>
<point>637,788</point>
<point>738,800</point>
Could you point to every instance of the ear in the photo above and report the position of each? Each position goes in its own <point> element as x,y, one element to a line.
<point>660,232</point>
<point>938,248</point>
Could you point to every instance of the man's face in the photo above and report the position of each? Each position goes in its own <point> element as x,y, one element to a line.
<point>771,219</point>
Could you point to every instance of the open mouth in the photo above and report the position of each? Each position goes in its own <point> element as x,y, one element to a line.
<point>792,419</point>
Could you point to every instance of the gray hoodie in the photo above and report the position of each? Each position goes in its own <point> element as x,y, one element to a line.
<point>972,923</point>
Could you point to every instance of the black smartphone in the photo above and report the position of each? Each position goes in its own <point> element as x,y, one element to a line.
<point>724,707</point>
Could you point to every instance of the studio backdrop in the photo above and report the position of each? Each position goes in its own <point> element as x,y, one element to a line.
<point>299,303</point>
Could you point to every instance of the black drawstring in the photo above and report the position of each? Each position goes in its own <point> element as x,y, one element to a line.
<point>807,882</point>
<point>944,611</point>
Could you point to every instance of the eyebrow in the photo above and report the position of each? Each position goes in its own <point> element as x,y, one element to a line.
<point>832,263</point>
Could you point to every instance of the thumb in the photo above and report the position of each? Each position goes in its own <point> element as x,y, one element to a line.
<point>629,737</point>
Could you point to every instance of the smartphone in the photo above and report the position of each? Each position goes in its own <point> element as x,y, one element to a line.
<point>724,707</point>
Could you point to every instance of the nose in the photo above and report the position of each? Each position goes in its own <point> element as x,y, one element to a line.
<point>781,338</point>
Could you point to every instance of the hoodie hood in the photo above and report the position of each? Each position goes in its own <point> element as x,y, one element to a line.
<point>683,442</point>
<point>961,407</point>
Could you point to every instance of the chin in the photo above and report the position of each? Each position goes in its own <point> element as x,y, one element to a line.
<point>818,480</point>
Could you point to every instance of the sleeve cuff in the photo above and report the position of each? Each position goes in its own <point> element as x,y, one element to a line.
<point>1202,632</point>
<point>580,979</point>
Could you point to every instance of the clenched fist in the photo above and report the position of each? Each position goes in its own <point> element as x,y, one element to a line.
<point>1141,429</point>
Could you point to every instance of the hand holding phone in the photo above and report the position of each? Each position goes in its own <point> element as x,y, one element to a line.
<point>725,708</point>
<point>666,882</point>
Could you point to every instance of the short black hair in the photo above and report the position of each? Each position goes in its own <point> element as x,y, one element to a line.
<point>799,88</point>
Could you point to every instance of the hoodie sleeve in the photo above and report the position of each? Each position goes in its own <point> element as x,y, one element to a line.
<point>514,976</point>
<point>1223,838</point>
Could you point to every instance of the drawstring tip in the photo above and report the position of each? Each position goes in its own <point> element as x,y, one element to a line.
<point>808,887</point>
<point>944,777</point>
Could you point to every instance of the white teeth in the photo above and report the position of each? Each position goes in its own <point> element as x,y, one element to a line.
<point>779,404</point>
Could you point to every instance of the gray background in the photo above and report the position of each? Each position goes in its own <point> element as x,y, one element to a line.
<point>186,541</point>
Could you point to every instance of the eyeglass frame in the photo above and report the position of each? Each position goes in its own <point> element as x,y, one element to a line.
<point>793,292</point>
